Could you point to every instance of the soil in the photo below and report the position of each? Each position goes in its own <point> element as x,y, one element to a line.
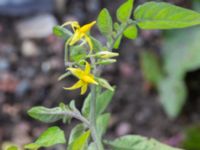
<point>27,82</point>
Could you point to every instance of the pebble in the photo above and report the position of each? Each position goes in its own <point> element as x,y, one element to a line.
<point>39,26</point>
<point>123,128</point>
<point>29,49</point>
<point>4,64</point>
<point>22,87</point>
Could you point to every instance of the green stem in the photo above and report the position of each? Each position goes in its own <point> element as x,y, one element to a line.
<point>93,129</point>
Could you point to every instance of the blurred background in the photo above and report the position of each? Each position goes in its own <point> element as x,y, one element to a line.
<point>157,75</point>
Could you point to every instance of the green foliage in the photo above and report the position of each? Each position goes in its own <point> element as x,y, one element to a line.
<point>134,142</point>
<point>117,42</point>
<point>47,115</point>
<point>151,15</point>
<point>160,15</point>
<point>172,89</point>
<point>50,137</point>
<point>124,11</point>
<point>102,101</point>
<point>102,123</point>
<point>9,146</point>
<point>104,22</point>
<point>172,95</point>
<point>151,68</point>
<point>12,148</point>
<point>61,32</point>
<point>105,83</point>
<point>192,138</point>
<point>131,32</point>
<point>76,132</point>
<point>80,143</point>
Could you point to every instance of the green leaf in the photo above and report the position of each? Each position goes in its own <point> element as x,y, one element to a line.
<point>117,42</point>
<point>92,146</point>
<point>9,146</point>
<point>135,142</point>
<point>124,11</point>
<point>80,143</point>
<point>61,32</point>
<point>192,138</point>
<point>77,52</point>
<point>151,67</point>
<point>161,15</point>
<point>50,137</point>
<point>102,102</point>
<point>97,46</point>
<point>172,95</point>
<point>12,148</point>
<point>102,123</point>
<point>131,32</point>
<point>47,115</point>
<point>184,45</point>
<point>104,22</point>
<point>77,131</point>
<point>105,83</point>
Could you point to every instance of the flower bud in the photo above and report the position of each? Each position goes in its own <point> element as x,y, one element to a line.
<point>106,61</point>
<point>107,54</point>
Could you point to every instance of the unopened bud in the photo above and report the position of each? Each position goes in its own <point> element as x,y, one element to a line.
<point>107,54</point>
<point>106,61</point>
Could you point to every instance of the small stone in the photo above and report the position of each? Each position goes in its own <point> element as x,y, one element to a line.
<point>126,70</point>
<point>39,26</point>
<point>22,87</point>
<point>4,64</point>
<point>60,6</point>
<point>123,128</point>
<point>29,49</point>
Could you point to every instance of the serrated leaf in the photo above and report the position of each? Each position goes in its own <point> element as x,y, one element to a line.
<point>151,67</point>
<point>61,32</point>
<point>52,136</point>
<point>47,115</point>
<point>131,32</point>
<point>172,95</point>
<point>76,132</point>
<point>104,22</point>
<point>135,142</point>
<point>80,143</point>
<point>161,15</point>
<point>124,11</point>
<point>102,123</point>
<point>102,102</point>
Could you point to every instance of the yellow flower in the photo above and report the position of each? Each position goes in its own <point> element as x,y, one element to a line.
<point>79,32</point>
<point>84,76</point>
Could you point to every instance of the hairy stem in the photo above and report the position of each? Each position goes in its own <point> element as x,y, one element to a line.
<point>97,140</point>
<point>93,129</point>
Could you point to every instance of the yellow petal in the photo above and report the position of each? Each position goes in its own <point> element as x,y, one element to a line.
<point>87,68</point>
<point>89,79</point>
<point>76,37</point>
<point>77,72</point>
<point>84,88</point>
<point>88,40</point>
<point>87,27</point>
<point>77,85</point>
